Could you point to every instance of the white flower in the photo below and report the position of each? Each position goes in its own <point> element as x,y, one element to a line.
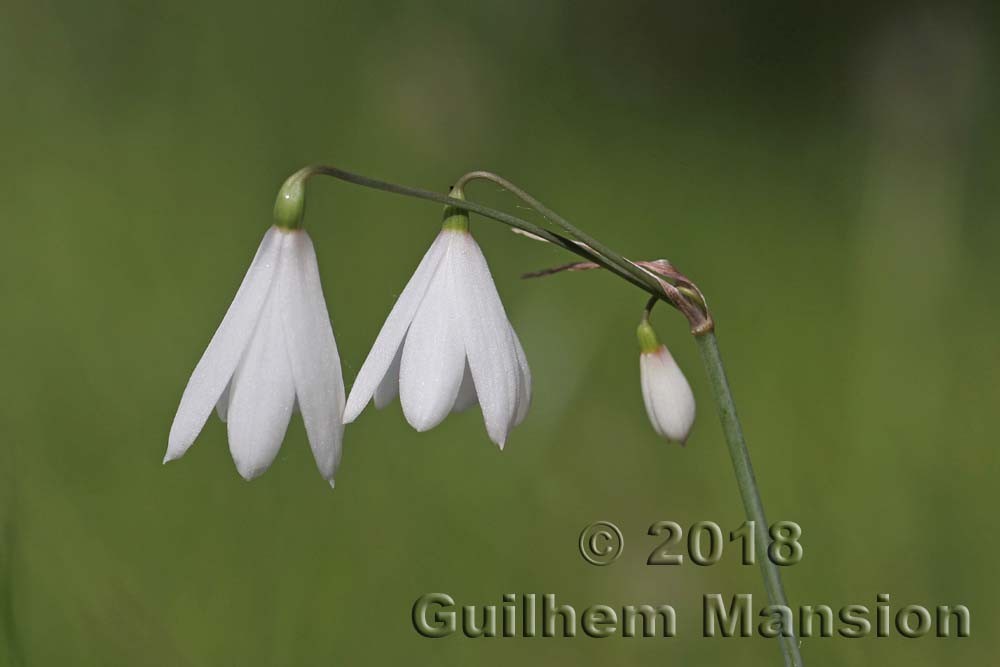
<point>447,344</point>
<point>665,391</point>
<point>274,352</point>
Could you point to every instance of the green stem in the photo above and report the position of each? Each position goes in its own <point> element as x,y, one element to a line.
<point>708,345</point>
<point>602,251</point>
<point>685,298</point>
<point>622,268</point>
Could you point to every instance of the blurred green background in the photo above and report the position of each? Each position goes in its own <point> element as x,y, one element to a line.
<point>828,176</point>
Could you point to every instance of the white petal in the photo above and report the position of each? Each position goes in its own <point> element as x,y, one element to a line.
<point>224,351</point>
<point>262,397</point>
<point>222,406</point>
<point>433,361</point>
<point>485,330</point>
<point>312,351</point>
<point>645,373</point>
<point>667,395</point>
<point>391,336</point>
<point>388,388</point>
<point>524,381</point>
<point>466,393</point>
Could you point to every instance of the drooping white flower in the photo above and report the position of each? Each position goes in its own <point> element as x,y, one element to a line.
<point>274,352</point>
<point>665,391</point>
<point>447,344</point>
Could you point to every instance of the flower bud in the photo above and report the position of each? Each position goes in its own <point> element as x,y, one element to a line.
<point>665,391</point>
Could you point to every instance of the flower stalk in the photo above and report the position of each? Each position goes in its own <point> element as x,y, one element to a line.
<point>622,267</point>
<point>657,278</point>
<point>708,345</point>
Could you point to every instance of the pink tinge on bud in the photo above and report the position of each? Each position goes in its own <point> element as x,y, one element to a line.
<point>667,395</point>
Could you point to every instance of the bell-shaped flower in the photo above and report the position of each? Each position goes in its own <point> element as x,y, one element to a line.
<point>447,343</point>
<point>665,391</point>
<point>274,352</point>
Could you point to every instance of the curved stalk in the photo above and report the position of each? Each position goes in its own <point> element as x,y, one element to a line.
<point>637,277</point>
<point>680,293</point>
<point>601,249</point>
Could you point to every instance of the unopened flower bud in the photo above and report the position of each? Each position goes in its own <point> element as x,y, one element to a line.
<point>665,391</point>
